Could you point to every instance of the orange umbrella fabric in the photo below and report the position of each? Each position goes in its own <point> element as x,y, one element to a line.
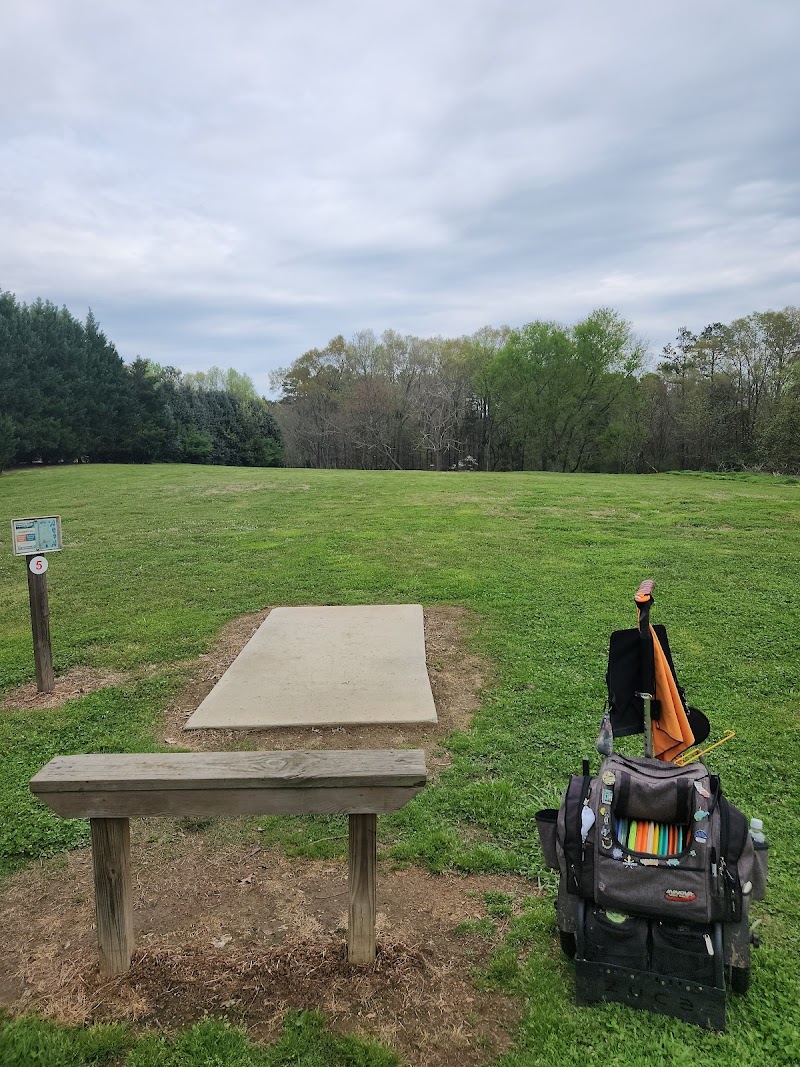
<point>671,732</point>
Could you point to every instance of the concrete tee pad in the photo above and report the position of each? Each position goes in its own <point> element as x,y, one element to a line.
<point>327,666</point>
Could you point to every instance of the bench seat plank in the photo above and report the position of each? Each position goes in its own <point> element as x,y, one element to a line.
<point>353,768</point>
<point>118,803</point>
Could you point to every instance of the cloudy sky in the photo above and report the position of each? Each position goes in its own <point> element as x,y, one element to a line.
<point>234,182</point>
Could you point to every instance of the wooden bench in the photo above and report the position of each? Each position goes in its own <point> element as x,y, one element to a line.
<point>109,789</point>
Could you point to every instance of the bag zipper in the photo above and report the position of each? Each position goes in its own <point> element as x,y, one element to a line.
<point>729,889</point>
<point>729,880</point>
<point>638,769</point>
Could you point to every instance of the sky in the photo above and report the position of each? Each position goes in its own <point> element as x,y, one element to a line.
<point>236,182</point>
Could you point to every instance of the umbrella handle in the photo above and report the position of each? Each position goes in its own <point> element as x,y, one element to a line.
<point>643,599</point>
<point>644,593</point>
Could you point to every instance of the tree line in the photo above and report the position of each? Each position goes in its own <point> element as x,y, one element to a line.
<point>550,397</point>
<point>542,397</point>
<point>66,395</point>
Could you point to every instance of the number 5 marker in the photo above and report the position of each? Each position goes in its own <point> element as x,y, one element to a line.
<point>38,565</point>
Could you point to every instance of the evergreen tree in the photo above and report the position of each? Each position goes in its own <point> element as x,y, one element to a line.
<point>66,395</point>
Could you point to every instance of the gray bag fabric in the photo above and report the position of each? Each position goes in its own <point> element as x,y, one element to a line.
<point>703,883</point>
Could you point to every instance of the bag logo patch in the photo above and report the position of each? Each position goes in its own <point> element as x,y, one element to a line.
<point>682,896</point>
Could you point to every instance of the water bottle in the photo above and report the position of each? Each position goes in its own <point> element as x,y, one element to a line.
<point>760,859</point>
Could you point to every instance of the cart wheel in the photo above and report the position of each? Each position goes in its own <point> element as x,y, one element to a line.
<point>568,945</point>
<point>740,980</point>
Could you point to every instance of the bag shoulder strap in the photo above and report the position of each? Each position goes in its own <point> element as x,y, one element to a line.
<point>577,792</point>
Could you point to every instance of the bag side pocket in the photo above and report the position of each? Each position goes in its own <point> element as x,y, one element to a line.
<point>546,821</point>
<point>683,952</point>
<point>760,863</point>
<point>620,941</point>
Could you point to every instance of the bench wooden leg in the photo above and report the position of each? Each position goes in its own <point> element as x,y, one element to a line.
<point>362,871</point>
<point>111,860</point>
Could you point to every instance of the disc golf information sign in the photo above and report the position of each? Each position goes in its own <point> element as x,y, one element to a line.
<point>31,538</point>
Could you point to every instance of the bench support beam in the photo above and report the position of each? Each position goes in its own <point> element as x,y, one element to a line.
<point>362,872</point>
<point>111,860</point>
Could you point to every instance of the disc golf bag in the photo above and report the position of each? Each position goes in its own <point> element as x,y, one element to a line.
<point>693,868</point>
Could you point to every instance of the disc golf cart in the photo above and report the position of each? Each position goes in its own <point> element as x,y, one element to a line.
<point>657,869</point>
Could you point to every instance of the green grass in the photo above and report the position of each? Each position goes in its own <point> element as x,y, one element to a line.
<point>483,928</point>
<point>110,720</point>
<point>157,558</point>
<point>305,1041</point>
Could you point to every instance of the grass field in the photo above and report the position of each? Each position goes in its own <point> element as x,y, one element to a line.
<point>157,558</point>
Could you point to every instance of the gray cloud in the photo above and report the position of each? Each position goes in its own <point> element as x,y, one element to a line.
<point>234,182</point>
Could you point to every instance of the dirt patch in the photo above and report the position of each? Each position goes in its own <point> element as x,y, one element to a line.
<point>457,677</point>
<point>254,487</point>
<point>246,935</point>
<point>76,683</point>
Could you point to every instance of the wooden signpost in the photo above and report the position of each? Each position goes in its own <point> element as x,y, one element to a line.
<point>31,538</point>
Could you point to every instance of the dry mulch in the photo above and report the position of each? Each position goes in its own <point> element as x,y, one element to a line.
<point>246,935</point>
